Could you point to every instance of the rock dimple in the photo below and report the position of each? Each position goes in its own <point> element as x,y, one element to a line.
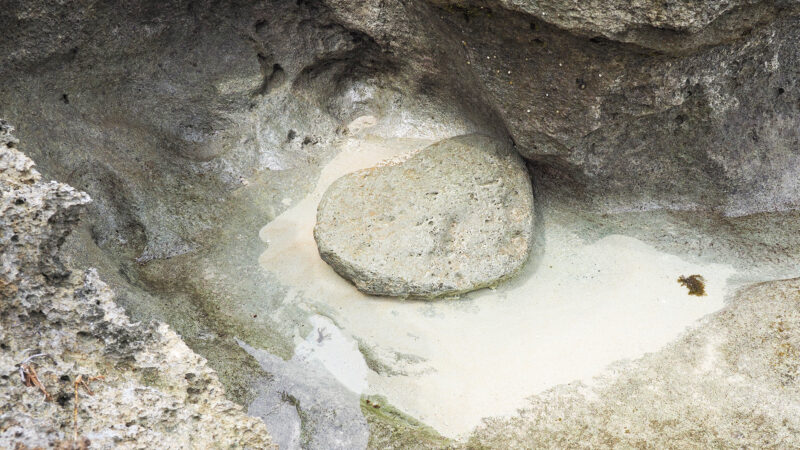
<point>455,217</point>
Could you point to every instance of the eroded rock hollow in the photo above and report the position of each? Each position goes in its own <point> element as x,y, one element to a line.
<point>585,157</point>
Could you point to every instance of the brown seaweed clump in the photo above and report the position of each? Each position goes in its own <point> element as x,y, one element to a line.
<point>695,283</point>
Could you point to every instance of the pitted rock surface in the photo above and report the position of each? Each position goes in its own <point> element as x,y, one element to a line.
<point>455,217</point>
<point>155,392</point>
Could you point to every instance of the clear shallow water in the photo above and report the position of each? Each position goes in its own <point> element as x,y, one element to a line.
<point>450,363</point>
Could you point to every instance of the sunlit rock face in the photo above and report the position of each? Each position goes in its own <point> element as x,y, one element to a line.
<point>454,217</point>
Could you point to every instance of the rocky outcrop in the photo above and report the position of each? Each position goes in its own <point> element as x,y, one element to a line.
<point>456,216</point>
<point>144,388</point>
<point>162,111</point>
<point>673,105</point>
<point>669,26</point>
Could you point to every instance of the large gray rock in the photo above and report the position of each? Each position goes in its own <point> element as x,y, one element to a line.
<point>455,217</point>
<point>669,26</point>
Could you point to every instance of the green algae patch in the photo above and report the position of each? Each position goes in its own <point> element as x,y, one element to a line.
<point>390,428</point>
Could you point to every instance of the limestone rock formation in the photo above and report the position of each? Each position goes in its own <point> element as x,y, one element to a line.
<point>456,216</point>
<point>59,324</point>
<point>684,111</point>
<point>669,26</point>
<point>675,105</point>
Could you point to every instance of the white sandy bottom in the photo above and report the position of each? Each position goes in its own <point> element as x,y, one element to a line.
<point>583,307</point>
<point>337,352</point>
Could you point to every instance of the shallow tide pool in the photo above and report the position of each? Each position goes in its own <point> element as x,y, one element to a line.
<point>576,308</point>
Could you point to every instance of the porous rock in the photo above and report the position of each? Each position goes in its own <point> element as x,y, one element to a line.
<point>154,391</point>
<point>454,217</point>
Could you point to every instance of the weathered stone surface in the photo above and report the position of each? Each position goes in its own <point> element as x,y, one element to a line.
<point>454,217</point>
<point>156,392</point>
<point>671,26</point>
<point>642,106</point>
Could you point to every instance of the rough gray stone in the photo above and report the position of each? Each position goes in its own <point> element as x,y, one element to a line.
<point>156,392</point>
<point>456,216</point>
<point>677,105</point>
<point>671,26</point>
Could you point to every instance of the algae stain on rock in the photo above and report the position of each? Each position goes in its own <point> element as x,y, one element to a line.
<point>695,283</point>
